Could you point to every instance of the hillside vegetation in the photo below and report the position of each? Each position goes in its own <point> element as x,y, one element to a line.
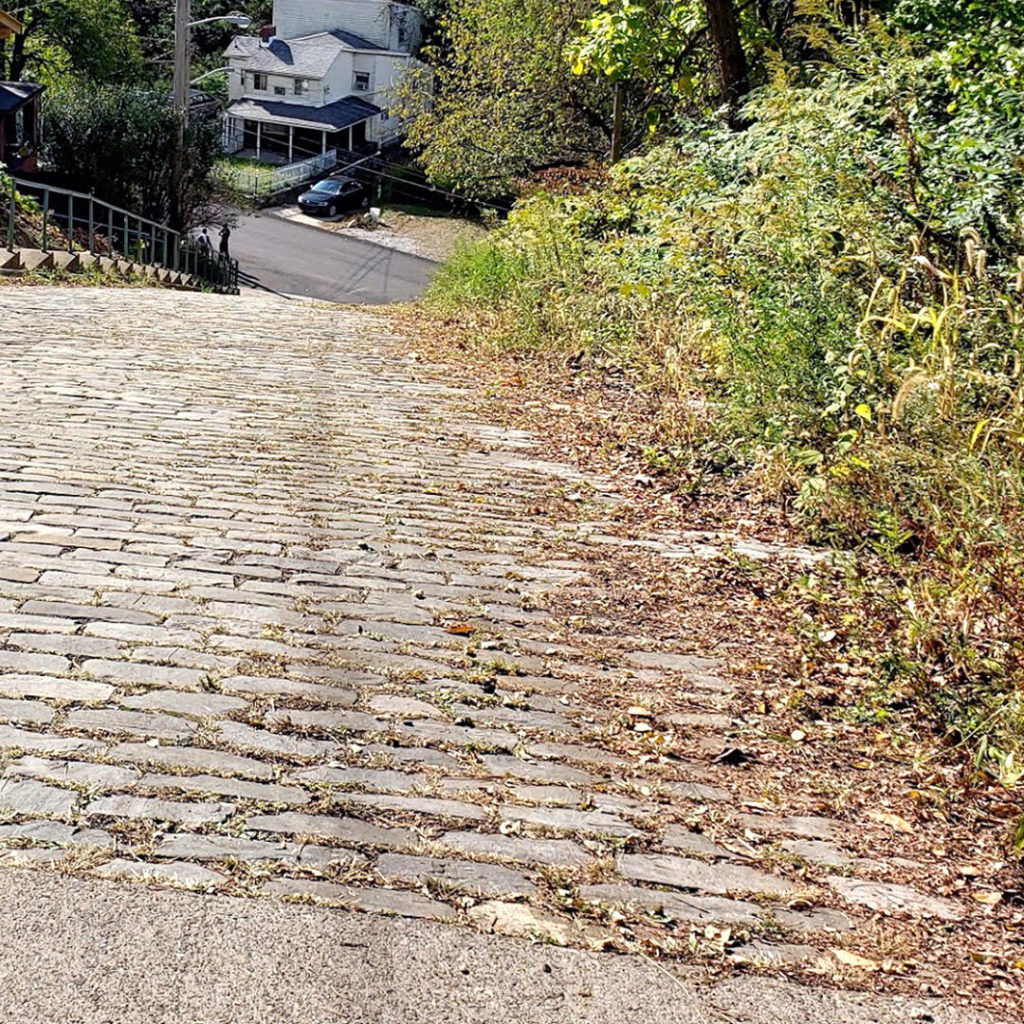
<point>825,291</point>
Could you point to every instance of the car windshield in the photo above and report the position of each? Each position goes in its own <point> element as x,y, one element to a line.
<point>327,186</point>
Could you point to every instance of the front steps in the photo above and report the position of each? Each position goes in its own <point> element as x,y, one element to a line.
<point>38,261</point>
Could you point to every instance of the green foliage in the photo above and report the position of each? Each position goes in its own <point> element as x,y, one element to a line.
<point>66,39</point>
<point>830,298</point>
<point>505,100</point>
<point>119,142</point>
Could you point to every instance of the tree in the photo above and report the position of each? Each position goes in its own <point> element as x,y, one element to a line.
<point>70,38</point>
<point>118,142</point>
<point>723,27</point>
<point>505,101</point>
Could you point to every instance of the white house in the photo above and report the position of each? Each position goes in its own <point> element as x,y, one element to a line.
<point>322,78</point>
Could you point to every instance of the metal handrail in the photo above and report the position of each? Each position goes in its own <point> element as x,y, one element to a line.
<point>154,243</point>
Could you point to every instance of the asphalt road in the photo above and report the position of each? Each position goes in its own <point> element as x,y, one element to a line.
<point>79,951</point>
<point>295,259</point>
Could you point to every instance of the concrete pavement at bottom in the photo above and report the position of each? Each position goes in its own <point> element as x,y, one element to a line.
<point>82,951</point>
<point>296,259</point>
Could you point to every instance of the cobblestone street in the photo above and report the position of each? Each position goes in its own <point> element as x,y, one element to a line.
<point>275,623</point>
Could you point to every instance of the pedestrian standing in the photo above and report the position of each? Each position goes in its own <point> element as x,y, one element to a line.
<point>225,235</point>
<point>204,243</point>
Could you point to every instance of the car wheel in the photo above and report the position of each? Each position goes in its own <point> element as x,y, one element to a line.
<point>332,210</point>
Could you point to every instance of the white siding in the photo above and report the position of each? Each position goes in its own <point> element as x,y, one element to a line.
<point>295,18</point>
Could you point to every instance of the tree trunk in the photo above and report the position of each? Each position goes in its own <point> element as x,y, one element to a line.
<point>617,124</point>
<point>723,27</point>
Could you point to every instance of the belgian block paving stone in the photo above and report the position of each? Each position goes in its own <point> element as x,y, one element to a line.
<point>345,721</point>
<point>32,712</point>
<point>211,784</point>
<point>140,672</point>
<point>683,908</point>
<point>158,810</point>
<point>192,758</point>
<point>206,848</point>
<point>806,827</point>
<point>412,755</point>
<point>380,779</point>
<point>382,901</point>
<point>189,876</point>
<point>177,702</point>
<point>486,879</point>
<point>33,663</point>
<point>44,743</point>
<point>687,873</point>
<point>897,899</point>
<point>552,852</point>
<point>343,829</point>
<point>132,723</point>
<point>79,773</point>
<point>416,805</point>
<point>246,737</point>
<point>57,834</point>
<point>680,839</point>
<point>539,771</point>
<point>288,688</point>
<point>35,798</point>
<point>568,820</point>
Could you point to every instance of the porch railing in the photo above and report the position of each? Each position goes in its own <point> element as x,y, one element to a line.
<point>261,182</point>
<point>57,219</point>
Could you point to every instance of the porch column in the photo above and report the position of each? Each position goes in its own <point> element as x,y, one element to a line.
<point>259,138</point>
<point>350,138</point>
<point>291,141</point>
<point>323,147</point>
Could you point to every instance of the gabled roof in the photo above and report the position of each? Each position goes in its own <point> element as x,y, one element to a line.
<point>306,57</point>
<point>9,25</point>
<point>334,116</point>
<point>16,94</point>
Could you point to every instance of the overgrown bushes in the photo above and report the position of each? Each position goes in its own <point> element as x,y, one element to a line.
<point>833,294</point>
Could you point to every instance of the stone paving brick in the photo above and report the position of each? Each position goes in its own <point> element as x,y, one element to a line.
<point>342,721</point>
<point>196,705</point>
<point>377,779</point>
<point>60,643</point>
<point>44,743</point>
<point>88,611</point>
<point>32,663</point>
<point>131,723</point>
<point>687,873</point>
<point>553,852</point>
<point>76,773</point>
<point>189,876</point>
<point>403,707</point>
<point>31,797</point>
<point>682,840</point>
<point>585,755</point>
<point>536,771</point>
<point>142,673</point>
<point>426,731</point>
<point>344,830</point>
<point>245,737</point>
<point>158,810</point>
<point>384,901</point>
<point>416,805</point>
<point>890,898</point>
<point>568,820</point>
<point>255,685</point>
<point>54,689</point>
<point>212,784</point>
<point>467,876</point>
<point>58,834</point>
<point>412,755</point>
<point>192,759</point>
<point>29,712</point>
<point>806,827</point>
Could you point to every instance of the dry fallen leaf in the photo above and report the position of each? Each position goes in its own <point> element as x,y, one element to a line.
<point>892,820</point>
<point>460,629</point>
<point>988,898</point>
<point>844,956</point>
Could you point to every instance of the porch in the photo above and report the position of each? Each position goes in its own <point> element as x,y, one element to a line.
<point>284,133</point>
<point>19,125</point>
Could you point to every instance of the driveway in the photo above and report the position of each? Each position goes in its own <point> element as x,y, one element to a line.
<point>297,259</point>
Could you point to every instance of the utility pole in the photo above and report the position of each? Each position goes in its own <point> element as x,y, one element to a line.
<point>182,20</point>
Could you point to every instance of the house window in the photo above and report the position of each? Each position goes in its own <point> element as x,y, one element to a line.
<point>259,83</point>
<point>279,90</point>
<point>362,81</point>
<point>301,86</point>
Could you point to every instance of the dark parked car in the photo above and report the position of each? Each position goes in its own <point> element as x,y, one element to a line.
<point>332,195</point>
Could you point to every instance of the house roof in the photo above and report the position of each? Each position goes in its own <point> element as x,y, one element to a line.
<point>16,94</point>
<point>306,57</point>
<point>334,116</point>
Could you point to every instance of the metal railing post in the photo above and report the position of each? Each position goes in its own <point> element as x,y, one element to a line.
<point>71,223</point>
<point>124,241</point>
<point>46,216</point>
<point>10,216</point>
<point>110,230</point>
<point>92,227</point>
